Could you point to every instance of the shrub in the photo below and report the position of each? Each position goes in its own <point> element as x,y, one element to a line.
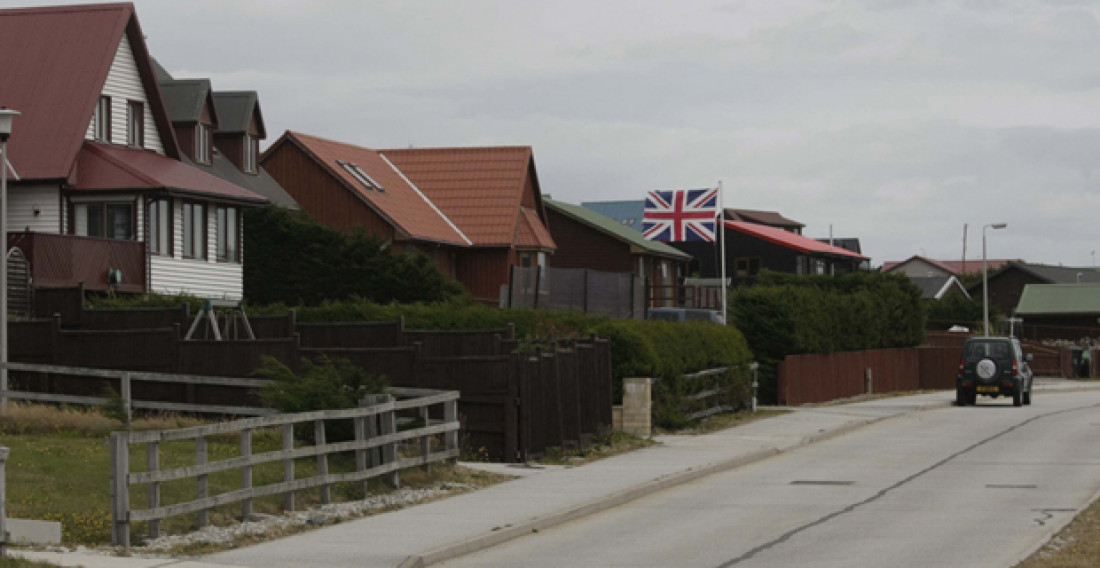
<point>324,385</point>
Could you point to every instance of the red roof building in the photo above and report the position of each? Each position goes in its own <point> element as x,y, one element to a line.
<point>920,266</point>
<point>97,165</point>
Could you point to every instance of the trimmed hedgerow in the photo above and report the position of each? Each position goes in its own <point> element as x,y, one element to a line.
<point>788,315</point>
<point>293,258</point>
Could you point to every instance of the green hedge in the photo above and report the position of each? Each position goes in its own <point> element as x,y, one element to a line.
<point>788,315</point>
<point>292,258</point>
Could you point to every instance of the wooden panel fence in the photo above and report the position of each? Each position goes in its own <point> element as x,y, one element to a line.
<point>375,445</point>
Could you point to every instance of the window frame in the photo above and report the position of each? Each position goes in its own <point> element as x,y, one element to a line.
<point>187,230</point>
<point>222,252</point>
<point>159,226</point>
<point>135,124</point>
<point>250,156</point>
<point>102,119</point>
<point>203,154</point>
<point>103,225</point>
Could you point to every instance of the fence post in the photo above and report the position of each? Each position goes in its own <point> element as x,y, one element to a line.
<point>388,426</point>
<point>152,463</point>
<point>3,510</point>
<point>202,480</point>
<point>246,473</point>
<point>426,441</point>
<point>322,460</point>
<point>450,415</point>
<point>288,465</point>
<point>120,488</point>
<point>127,398</point>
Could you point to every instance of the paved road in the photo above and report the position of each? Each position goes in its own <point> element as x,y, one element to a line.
<point>967,487</point>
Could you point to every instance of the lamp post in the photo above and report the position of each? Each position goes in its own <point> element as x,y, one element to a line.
<point>985,277</point>
<point>6,116</point>
<point>754,367</point>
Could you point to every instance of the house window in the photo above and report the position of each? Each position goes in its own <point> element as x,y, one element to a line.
<point>102,119</point>
<point>228,227</point>
<point>160,226</point>
<point>110,220</point>
<point>746,267</point>
<point>361,176</point>
<point>135,124</point>
<point>194,230</point>
<point>202,143</point>
<point>251,150</point>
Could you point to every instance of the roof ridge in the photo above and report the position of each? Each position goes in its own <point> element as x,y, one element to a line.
<point>68,8</point>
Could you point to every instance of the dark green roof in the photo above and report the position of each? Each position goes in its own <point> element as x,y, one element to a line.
<point>183,98</point>
<point>1059,299</point>
<point>235,110</point>
<point>613,228</point>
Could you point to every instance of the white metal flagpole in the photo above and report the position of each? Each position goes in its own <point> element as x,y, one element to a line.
<point>721,227</point>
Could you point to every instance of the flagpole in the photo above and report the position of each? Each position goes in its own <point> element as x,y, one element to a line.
<point>722,256</point>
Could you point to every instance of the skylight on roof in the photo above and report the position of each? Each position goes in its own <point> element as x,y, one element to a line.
<point>360,176</point>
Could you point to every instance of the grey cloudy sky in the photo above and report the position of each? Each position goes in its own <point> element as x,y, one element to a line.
<point>896,121</point>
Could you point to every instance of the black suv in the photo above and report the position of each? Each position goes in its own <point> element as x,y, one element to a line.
<point>993,366</point>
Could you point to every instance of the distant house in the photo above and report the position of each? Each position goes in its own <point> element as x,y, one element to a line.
<point>101,184</point>
<point>587,239</point>
<point>766,218</point>
<point>1006,285</point>
<point>751,248</point>
<point>492,195</point>
<point>920,266</point>
<point>220,133</point>
<point>939,287</point>
<point>1059,311</point>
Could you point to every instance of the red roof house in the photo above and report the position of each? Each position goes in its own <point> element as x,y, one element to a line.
<point>99,184</point>
<point>920,266</point>
<point>492,195</point>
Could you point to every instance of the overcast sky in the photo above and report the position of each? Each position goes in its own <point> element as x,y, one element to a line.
<point>895,121</point>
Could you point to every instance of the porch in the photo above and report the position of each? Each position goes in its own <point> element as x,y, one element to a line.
<point>66,260</point>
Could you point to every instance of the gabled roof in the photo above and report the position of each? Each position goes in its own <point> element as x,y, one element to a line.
<point>184,99</point>
<point>788,239</point>
<point>109,167</point>
<point>530,232</point>
<point>235,112</point>
<point>956,267</point>
<point>1054,299</point>
<point>480,189</point>
<point>936,287</point>
<point>55,62</point>
<point>400,202</point>
<point>615,229</point>
<point>770,218</point>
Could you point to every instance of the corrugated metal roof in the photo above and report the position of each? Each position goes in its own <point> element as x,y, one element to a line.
<point>235,111</point>
<point>627,213</point>
<point>400,202</point>
<point>478,188</point>
<point>770,218</point>
<point>108,167</point>
<point>788,239</point>
<point>956,267</point>
<point>55,61</point>
<point>1059,299</point>
<point>585,215</point>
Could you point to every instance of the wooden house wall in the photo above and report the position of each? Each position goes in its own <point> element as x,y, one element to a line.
<point>581,246</point>
<point>772,257</point>
<point>320,194</point>
<point>185,136</point>
<point>1005,290</point>
<point>483,270</point>
<point>232,147</point>
<point>124,84</point>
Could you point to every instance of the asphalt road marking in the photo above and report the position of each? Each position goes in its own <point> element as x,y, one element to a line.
<point>792,533</point>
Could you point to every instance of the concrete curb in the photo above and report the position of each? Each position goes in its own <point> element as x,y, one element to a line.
<point>1059,527</point>
<point>468,546</point>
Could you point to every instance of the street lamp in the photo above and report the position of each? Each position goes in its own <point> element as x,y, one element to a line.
<point>985,277</point>
<point>6,116</point>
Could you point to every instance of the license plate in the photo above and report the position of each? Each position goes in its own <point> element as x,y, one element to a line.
<point>989,389</point>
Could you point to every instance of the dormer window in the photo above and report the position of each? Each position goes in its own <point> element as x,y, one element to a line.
<point>202,143</point>
<point>361,176</point>
<point>251,151</point>
<point>135,124</point>
<point>102,119</point>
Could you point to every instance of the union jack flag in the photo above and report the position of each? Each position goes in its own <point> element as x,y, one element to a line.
<point>680,215</point>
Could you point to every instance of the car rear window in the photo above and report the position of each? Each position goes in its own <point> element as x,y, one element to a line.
<point>978,349</point>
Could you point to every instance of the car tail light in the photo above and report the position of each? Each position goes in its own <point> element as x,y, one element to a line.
<point>962,364</point>
<point>1015,367</point>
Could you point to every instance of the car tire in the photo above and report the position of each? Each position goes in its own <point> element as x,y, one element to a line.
<point>1017,398</point>
<point>972,398</point>
<point>960,397</point>
<point>1027,398</point>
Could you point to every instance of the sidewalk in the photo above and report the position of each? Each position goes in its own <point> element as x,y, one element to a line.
<point>544,497</point>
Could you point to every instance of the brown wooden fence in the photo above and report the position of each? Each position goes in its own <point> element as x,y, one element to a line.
<point>65,260</point>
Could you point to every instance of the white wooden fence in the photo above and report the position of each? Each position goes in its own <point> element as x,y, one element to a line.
<point>3,501</point>
<point>375,446</point>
